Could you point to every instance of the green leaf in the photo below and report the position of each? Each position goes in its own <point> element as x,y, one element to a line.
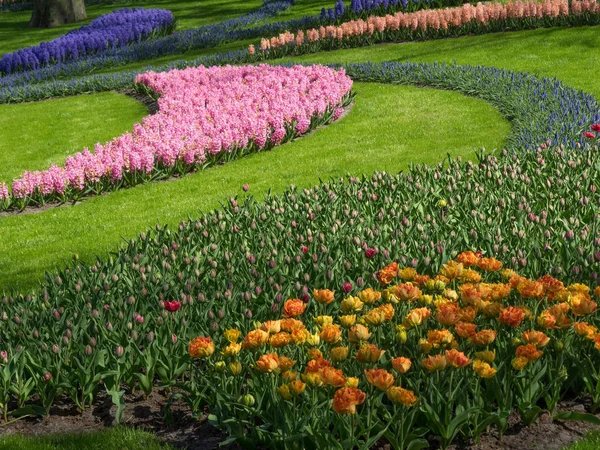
<point>579,416</point>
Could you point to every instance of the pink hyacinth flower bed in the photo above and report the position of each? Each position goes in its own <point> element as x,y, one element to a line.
<point>205,116</point>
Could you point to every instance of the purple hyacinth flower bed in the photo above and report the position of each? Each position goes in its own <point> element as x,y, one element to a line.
<point>113,30</point>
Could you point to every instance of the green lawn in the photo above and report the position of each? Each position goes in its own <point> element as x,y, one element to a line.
<point>590,442</point>
<point>39,134</point>
<point>118,438</point>
<point>15,33</point>
<point>388,128</point>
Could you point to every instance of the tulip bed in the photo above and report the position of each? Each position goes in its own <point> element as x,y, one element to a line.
<point>206,116</point>
<point>114,30</point>
<point>399,355</point>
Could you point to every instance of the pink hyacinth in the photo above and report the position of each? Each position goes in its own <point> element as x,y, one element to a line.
<point>202,111</point>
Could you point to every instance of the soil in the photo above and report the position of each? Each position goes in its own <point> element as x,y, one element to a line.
<point>185,431</point>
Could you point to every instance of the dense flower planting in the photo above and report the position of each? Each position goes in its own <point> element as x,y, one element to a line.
<point>176,43</point>
<point>433,23</point>
<point>404,355</point>
<point>113,30</point>
<point>205,115</point>
<point>358,8</point>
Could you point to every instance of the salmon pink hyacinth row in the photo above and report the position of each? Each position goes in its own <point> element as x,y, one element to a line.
<point>436,19</point>
<point>203,112</point>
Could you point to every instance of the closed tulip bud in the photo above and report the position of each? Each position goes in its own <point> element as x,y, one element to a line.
<point>119,351</point>
<point>220,366</point>
<point>401,336</point>
<point>93,341</point>
<point>174,339</point>
<point>88,350</point>
<point>247,400</point>
<point>108,326</point>
<point>55,348</point>
<point>235,367</point>
<point>65,340</point>
<point>47,377</point>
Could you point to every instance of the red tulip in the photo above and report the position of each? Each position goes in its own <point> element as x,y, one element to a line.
<point>596,127</point>
<point>370,253</point>
<point>304,249</point>
<point>172,306</point>
<point>589,135</point>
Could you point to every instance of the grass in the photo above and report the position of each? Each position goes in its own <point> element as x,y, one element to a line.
<point>15,32</point>
<point>38,131</point>
<point>118,438</point>
<point>389,128</point>
<point>590,442</point>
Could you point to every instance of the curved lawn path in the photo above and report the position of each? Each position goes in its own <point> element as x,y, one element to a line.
<point>388,128</point>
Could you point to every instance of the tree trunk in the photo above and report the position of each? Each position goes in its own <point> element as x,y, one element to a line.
<point>54,13</point>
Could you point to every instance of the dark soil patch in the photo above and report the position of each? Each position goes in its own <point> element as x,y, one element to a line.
<point>183,430</point>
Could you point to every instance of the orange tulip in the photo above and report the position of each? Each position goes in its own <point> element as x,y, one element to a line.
<point>271,326</point>
<point>511,316</point>
<point>465,330</point>
<point>297,387</point>
<point>468,258</point>
<point>293,307</point>
<point>435,363</point>
<point>489,264</point>
<point>403,396</point>
<point>388,273</point>
<point>268,363</point>
<point>483,369</point>
<point>483,337</point>
<point>369,296</point>
<point>324,296</point>
<point>530,289</point>
<point>346,399</point>
<point>380,378</point>
<point>358,333</point>
<point>519,362</point>
<point>369,353</point>
<point>332,376</point>
<point>286,363</point>
<point>448,314</point>
<point>407,274</point>
<point>331,334</point>
<point>585,330</point>
<point>529,351</point>
<point>401,364</point>
<point>280,339</point>
<point>457,359</point>
<point>452,270</point>
<point>256,339</point>
<point>537,338</point>
<point>338,354</point>
<point>201,347</point>
<point>290,325</point>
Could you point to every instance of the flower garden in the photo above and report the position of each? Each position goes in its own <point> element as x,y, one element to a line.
<point>343,225</point>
